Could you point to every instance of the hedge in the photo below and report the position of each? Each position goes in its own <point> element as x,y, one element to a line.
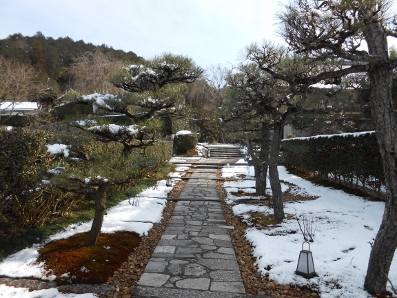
<point>351,159</point>
<point>184,141</point>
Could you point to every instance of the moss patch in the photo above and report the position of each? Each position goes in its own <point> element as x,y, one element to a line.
<point>262,219</point>
<point>73,262</point>
<point>242,193</point>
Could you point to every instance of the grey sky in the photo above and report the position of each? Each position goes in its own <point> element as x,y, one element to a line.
<point>211,32</point>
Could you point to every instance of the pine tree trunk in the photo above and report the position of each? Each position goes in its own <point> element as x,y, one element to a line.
<point>260,161</point>
<point>385,119</point>
<point>260,178</point>
<point>100,207</point>
<point>273,171</point>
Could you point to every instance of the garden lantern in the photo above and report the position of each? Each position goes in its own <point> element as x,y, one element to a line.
<point>169,182</point>
<point>305,265</point>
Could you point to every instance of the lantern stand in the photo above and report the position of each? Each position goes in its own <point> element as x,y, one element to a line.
<point>305,265</point>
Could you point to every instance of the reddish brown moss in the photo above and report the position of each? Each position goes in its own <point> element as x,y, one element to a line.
<point>73,262</point>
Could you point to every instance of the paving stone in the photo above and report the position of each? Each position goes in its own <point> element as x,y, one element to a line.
<point>195,270</point>
<point>189,250</point>
<point>168,237</point>
<point>209,247</point>
<point>215,231</point>
<point>153,266</point>
<point>174,269</point>
<point>203,240</point>
<point>183,237</point>
<point>226,250</point>
<point>219,264</point>
<point>194,222</point>
<point>176,261</point>
<point>153,279</point>
<point>223,243</point>
<point>165,249</point>
<point>231,287</point>
<point>220,237</point>
<point>212,255</point>
<point>224,275</point>
<point>173,242</point>
<point>194,283</point>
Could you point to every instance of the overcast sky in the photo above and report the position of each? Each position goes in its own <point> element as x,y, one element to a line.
<point>211,32</point>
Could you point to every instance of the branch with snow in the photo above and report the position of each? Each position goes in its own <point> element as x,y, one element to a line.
<point>157,73</point>
<point>102,101</point>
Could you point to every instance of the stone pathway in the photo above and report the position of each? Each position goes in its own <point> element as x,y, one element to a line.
<point>194,257</point>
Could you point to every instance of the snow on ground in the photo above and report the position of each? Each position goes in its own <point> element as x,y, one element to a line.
<point>137,214</point>
<point>344,225</point>
<point>47,293</point>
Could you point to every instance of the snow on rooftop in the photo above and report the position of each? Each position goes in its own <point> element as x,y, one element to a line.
<point>19,105</point>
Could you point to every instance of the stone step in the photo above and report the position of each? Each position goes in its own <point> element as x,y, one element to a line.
<point>231,150</point>
<point>223,151</point>
<point>154,292</point>
<point>225,155</point>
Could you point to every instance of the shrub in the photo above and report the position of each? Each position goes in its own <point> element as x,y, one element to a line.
<point>184,141</point>
<point>22,157</point>
<point>24,200</point>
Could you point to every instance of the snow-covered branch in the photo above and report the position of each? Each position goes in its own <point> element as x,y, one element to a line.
<point>155,74</point>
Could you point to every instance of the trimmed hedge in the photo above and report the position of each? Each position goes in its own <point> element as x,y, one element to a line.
<point>350,159</point>
<point>184,142</point>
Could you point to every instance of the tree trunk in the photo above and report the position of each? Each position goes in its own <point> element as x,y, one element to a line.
<point>273,171</point>
<point>261,175</point>
<point>100,207</point>
<point>260,178</point>
<point>260,161</point>
<point>385,119</point>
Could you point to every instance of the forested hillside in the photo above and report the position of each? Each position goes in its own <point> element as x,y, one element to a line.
<point>52,58</point>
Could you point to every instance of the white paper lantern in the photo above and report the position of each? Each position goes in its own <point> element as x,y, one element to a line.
<point>305,265</point>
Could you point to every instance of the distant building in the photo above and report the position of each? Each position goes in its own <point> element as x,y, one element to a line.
<point>11,108</point>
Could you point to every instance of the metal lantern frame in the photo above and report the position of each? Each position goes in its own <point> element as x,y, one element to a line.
<point>305,265</point>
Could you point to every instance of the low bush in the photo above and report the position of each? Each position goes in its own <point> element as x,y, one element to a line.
<point>183,142</point>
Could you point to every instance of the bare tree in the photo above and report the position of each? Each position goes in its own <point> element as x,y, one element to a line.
<point>17,80</point>
<point>340,30</point>
<point>90,72</point>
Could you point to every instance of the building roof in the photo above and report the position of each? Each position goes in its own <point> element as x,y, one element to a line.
<point>18,106</point>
